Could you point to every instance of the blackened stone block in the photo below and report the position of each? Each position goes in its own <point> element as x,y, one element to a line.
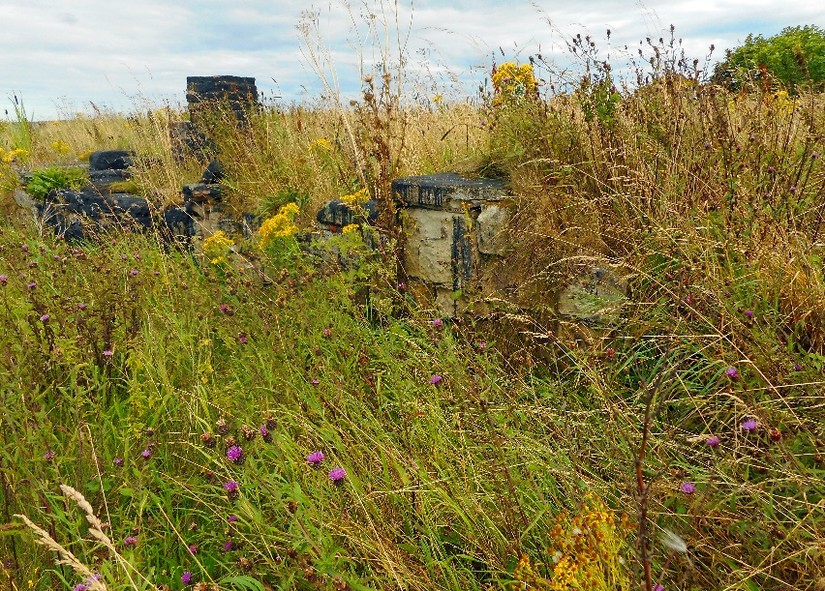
<point>110,159</point>
<point>213,174</point>
<point>202,193</point>
<point>447,191</point>
<point>338,213</point>
<point>218,88</point>
<point>102,179</point>
<point>179,223</point>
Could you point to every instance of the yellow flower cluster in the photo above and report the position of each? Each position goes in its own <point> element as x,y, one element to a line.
<point>586,553</point>
<point>322,144</point>
<point>281,225</point>
<point>513,82</point>
<point>350,228</point>
<point>354,199</point>
<point>13,155</point>
<point>61,147</point>
<point>217,247</point>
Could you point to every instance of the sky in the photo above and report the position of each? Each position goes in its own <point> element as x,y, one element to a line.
<point>63,57</point>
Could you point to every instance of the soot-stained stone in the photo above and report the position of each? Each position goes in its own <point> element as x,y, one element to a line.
<point>202,193</point>
<point>213,174</point>
<point>339,214</point>
<point>447,190</point>
<point>110,160</point>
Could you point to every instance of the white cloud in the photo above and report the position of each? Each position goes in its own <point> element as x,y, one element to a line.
<point>109,52</point>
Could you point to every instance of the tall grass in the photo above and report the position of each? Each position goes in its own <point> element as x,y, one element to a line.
<point>680,446</point>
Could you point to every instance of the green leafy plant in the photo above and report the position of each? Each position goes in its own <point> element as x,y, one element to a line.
<point>47,180</point>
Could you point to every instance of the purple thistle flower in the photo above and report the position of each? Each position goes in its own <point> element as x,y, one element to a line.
<point>118,462</point>
<point>314,382</point>
<point>186,577</point>
<point>315,458</point>
<point>133,272</point>
<point>146,453</point>
<point>688,488</point>
<point>81,307</point>
<point>436,379</point>
<point>749,314</point>
<point>713,441</point>
<point>130,541</point>
<point>108,353</point>
<point>327,332</point>
<point>231,488</point>
<point>793,189</point>
<point>4,279</point>
<point>81,587</point>
<point>732,373</point>
<point>227,546</point>
<point>337,475</point>
<point>226,309</point>
<point>797,367</point>
<point>235,454</point>
<point>242,338</point>
<point>659,587</point>
<point>193,548</point>
<point>49,455</point>
<point>231,518</point>
<point>32,285</point>
<point>814,155</point>
<point>750,425</point>
<point>438,323</point>
<point>45,318</point>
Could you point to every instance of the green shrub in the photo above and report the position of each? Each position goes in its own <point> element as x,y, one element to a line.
<point>51,179</point>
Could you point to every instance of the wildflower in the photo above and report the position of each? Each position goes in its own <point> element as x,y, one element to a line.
<point>402,286</point>
<point>242,338</point>
<point>712,441</point>
<point>314,382</point>
<point>793,189</point>
<point>223,428</point>
<point>438,323</point>
<point>186,577</point>
<point>814,155</point>
<point>327,332</point>
<point>49,455</point>
<point>315,458</point>
<point>337,475</point>
<point>688,488</point>
<point>146,453</point>
<point>278,226</point>
<point>130,541</point>
<point>231,518</point>
<point>108,353</point>
<point>193,548</point>
<point>265,434</point>
<point>231,488</point>
<point>750,425</point>
<point>749,314</point>
<point>81,587</point>
<point>226,309</point>
<point>133,272</point>
<point>81,306</point>
<point>118,462</point>
<point>482,345</point>
<point>32,285</point>
<point>235,454</point>
<point>732,373</point>
<point>4,279</point>
<point>659,587</point>
<point>436,379</point>
<point>797,367</point>
<point>227,546</point>
<point>45,318</point>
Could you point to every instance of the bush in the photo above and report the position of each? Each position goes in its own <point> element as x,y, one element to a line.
<point>47,180</point>
<point>793,57</point>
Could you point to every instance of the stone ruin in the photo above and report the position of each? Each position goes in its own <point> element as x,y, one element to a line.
<point>453,226</point>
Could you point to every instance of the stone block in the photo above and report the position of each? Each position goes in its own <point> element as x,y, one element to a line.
<point>110,160</point>
<point>448,191</point>
<point>490,226</point>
